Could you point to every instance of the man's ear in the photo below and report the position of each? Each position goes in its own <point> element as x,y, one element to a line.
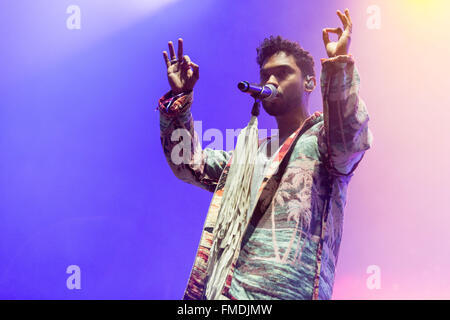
<point>310,83</point>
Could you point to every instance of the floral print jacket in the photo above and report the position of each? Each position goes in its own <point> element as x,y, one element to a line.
<point>291,244</point>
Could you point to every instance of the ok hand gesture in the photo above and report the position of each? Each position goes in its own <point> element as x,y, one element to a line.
<point>344,37</point>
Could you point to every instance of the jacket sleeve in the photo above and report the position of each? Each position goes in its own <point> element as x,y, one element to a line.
<point>345,133</point>
<point>181,146</point>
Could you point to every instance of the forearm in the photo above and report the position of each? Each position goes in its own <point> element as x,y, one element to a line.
<point>345,115</point>
<point>182,148</point>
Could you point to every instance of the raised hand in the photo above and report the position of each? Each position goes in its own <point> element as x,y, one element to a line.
<point>344,37</point>
<point>182,73</point>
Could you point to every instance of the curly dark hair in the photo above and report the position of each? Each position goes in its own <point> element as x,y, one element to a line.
<point>272,45</point>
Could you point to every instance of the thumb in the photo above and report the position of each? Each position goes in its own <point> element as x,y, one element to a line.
<point>195,69</point>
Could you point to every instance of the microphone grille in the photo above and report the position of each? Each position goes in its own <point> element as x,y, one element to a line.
<point>274,91</point>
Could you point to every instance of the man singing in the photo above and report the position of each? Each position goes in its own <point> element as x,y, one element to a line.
<point>288,246</point>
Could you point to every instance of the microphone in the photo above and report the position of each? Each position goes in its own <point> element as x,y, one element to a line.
<point>267,92</point>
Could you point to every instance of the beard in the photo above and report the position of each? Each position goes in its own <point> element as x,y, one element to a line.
<point>274,108</point>
<point>280,106</point>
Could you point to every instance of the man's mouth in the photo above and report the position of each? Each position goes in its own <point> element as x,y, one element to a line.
<point>279,96</point>
<point>276,99</point>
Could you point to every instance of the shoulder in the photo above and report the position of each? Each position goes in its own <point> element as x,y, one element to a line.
<point>315,122</point>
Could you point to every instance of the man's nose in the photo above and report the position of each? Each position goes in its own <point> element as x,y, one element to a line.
<point>272,80</point>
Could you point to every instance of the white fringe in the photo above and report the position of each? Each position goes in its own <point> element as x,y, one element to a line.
<point>232,217</point>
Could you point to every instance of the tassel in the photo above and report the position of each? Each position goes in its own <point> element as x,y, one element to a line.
<point>233,214</point>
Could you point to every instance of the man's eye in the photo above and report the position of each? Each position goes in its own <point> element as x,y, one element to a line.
<point>278,74</point>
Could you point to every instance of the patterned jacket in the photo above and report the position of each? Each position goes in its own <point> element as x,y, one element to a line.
<point>301,201</point>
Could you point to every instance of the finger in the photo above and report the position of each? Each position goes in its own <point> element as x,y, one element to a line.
<point>338,31</point>
<point>347,14</point>
<point>326,39</point>
<point>185,62</point>
<point>195,68</point>
<point>172,50</point>
<point>334,30</point>
<point>343,18</point>
<point>166,58</point>
<point>180,49</point>
<point>187,59</point>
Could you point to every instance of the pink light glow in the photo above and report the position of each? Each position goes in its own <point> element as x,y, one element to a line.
<point>398,213</point>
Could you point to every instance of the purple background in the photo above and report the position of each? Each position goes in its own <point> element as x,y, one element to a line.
<point>83,179</point>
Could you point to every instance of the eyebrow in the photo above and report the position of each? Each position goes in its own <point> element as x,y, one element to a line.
<point>283,66</point>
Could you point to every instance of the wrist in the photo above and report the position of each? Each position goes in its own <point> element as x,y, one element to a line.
<point>179,93</point>
<point>173,105</point>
